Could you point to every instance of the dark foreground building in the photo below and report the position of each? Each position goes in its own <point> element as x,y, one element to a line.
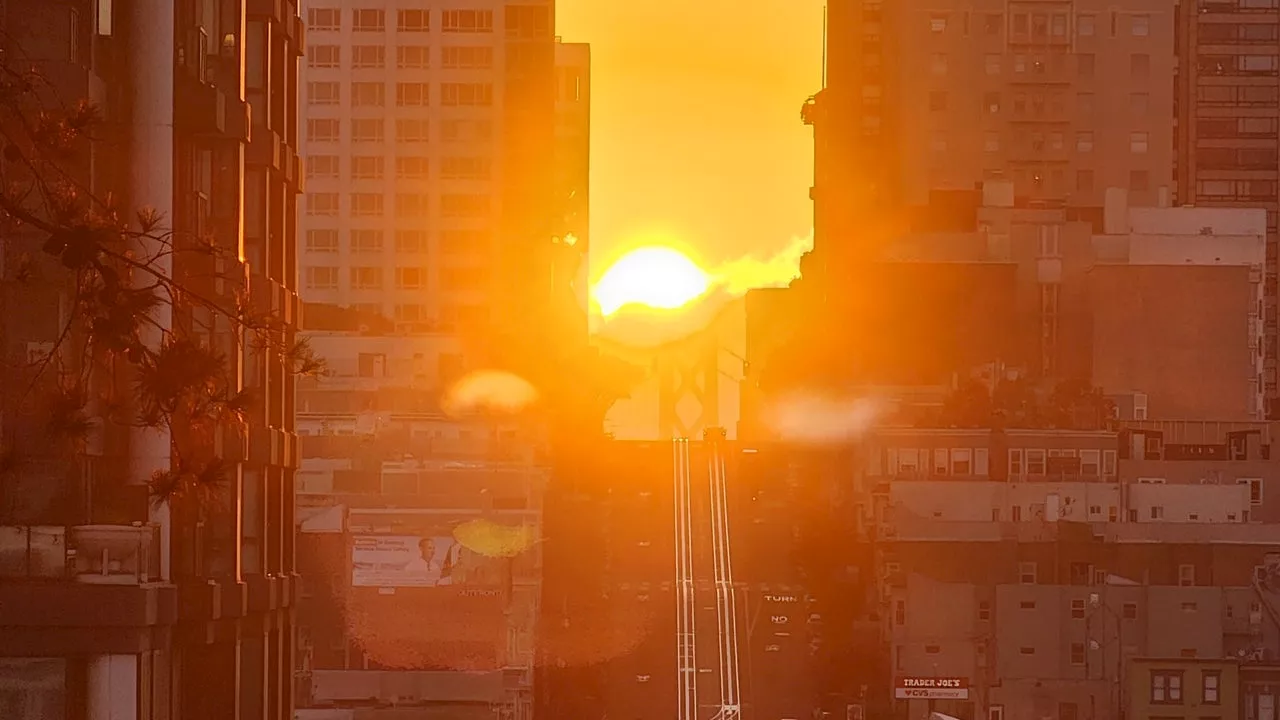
<point>111,606</point>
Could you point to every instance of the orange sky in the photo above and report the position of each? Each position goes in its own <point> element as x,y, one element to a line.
<point>696,127</point>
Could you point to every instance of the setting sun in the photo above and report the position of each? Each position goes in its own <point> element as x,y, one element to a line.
<point>654,277</point>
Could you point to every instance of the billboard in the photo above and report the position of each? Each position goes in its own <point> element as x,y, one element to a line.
<point>931,688</point>
<point>391,561</point>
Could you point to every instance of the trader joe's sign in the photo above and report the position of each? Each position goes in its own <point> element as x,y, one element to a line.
<point>931,688</point>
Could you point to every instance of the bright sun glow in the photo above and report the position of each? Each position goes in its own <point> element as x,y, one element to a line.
<point>655,277</point>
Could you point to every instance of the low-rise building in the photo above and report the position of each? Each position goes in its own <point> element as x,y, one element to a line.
<point>1043,619</point>
<point>1183,688</point>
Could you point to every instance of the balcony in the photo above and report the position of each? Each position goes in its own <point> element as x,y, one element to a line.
<point>56,581</point>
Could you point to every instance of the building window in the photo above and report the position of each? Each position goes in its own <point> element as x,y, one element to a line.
<point>413,20</point>
<point>1255,489</point>
<point>937,22</point>
<point>899,612</point>
<point>411,312</point>
<point>1077,608</point>
<point>1139,65</point>
<point>322,166</point>
<point>938,64</point>
<point>412,94</point>
<point>1090,463</point>
<point>411,167</point>
<point>991,102</point>
<point>1026,650</point>
<point>1027,573</point>
<point>368,130</point>
<point>937,100</point>
<point>467,57</point>
<point>466,94</point>
<point>1140,25</point>
<point>1138,142</point>
<point>1139,180</point>
<point>984,611</point>
<point>366,278</point>
<point>1139,104</point>
<point>1166,687</point>
<point>465,168</point>
<point>368,94</point>
<point>1129,611</point>
<point>1058,25</point>
<point>410,278</point>
<point>1015,463</point>
<point>323,93</point>
<point>413,57</point>
<point>1035,462</point>
<point>366,241</point>
<point>411,205</point>
<point>992,23</point>
<point>1210,687</point>
<point>457,241</point>
<point>1157,512</point>
<point>1186,575</point>
<point>1027,605</point>
<point>464,206</point>
<point>367,167</point>
<point>932,649</point>
<point>369,57</point>
<point>467,21</point>
<point>995,712</point>
<point>368,20</point>
<point>324,19</point>
<point>1084,142</point>
<point>412,130</point>
<point>322,278</point>
<point>366,204</point>
<point>322,203</point>
<point>324,56</point>
<point>1077,653</point>
<point>322,241</point>
<point>322,130</point>
<point>991,142</point>
<point>411,241</point>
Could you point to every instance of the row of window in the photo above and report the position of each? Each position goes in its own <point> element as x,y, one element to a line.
<point>406,205</point>
<point>320,277</point>
<point>407,130</point>
<point>518,20</point>
<point>1022,461</point>
<point>452,241</point>
<point>408,57</point>
<point>1054,180</point>
<point>1139,141</point>
<point>407,20</point>
<point>407,167</point>
<point>1049,25</point>
<point>407,94</point>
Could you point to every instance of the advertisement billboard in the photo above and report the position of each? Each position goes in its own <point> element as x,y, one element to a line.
<point>931,688</point>
<point>392,561</point>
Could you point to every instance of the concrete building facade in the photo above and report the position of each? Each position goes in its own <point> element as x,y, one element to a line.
<point>1044,619</point>
<point>113,605</point>
<point>1228,108</point>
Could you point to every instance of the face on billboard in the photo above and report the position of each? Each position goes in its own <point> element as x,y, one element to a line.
<point>404,561</point>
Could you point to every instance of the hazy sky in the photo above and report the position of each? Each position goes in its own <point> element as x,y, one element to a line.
<point>696,129</point>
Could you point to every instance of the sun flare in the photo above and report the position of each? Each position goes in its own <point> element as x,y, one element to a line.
<point>655,277</point>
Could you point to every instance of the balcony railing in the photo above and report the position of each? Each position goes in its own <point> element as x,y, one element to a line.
<point>93,554</point>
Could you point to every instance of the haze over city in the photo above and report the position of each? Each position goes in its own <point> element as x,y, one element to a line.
<point>603,360</point>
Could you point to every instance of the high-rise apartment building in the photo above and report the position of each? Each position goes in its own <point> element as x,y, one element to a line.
<point>112,606</point>
<point>445,212</point>
<point>1228,110</point>
<point>1063,98</point>
<point>419,119</point>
